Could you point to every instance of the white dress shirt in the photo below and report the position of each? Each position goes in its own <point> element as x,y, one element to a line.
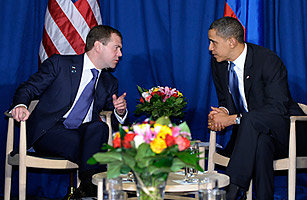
<point>85,79</point>
<point>239,69</point>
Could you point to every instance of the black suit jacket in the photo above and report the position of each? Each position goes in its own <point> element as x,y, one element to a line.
<point>265,83</point>
<point>266,90</point>
<point>55,85</point>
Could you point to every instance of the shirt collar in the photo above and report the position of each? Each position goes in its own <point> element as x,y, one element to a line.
<point>240,61</point>
<point>88,64</point>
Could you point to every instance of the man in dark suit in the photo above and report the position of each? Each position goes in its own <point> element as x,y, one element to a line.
<point>254,97</point>
<point>64,122</point>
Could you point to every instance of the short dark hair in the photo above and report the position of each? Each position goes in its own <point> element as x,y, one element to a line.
<point>100,33</point>
<point>228,27</point>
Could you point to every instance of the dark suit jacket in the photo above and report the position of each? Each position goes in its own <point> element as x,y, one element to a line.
<point>265,83</point>
<point>265,86</point>
<point>55,85</point>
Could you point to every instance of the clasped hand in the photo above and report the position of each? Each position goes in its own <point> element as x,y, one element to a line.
<point>219,119</point>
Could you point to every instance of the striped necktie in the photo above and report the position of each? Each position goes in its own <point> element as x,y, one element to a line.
<point>79,111</point>
<point>234,89</point>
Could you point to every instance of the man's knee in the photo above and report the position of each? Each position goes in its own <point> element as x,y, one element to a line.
<point>97,131</point>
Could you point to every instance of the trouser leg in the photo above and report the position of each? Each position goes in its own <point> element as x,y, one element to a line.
<point>76,145</point>
<point>256,132</point>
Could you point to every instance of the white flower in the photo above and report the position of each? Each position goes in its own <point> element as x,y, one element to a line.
<point>138,140</point>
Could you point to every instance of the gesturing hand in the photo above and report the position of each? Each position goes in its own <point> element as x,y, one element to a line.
<point>120,104</point>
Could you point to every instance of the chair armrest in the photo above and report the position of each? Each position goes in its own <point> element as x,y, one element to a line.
<point>292,139</point>
<point>212,149</point>
<point>107,115</point>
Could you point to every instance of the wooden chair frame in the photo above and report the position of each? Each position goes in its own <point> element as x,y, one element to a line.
<point>291,163</point>
<point>24,159</point>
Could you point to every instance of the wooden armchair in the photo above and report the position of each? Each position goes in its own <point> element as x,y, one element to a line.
<point>291,163</point>
<point>24,159</point>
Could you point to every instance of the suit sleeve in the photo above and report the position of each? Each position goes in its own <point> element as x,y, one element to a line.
<point>275,86</point>
<point>218,84</point>
<point>37,83</point>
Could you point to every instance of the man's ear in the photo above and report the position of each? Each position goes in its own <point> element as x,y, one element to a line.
<point>232,42</point>
<point>98,46</point>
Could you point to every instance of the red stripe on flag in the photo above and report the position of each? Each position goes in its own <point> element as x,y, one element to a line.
<point>50,49</point>
<point>86,11</point>
<point>66,27</point>
<point>228,12</point>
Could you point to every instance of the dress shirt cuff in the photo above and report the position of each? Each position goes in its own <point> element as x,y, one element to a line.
<point>120,119</point>
<point>19,106</point>
<point>225,109</point>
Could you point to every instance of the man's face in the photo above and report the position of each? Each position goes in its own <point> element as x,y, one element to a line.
<point>111,52</point>
<point>219,46</point>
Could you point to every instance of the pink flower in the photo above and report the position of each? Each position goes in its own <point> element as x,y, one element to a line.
<point>183,143</point>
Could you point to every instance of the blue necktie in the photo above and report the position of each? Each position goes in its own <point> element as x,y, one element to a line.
<point>234,89</point>
<point>79,111</point>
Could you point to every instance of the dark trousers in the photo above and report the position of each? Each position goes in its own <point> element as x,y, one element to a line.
<point>76,145</point>
<point>260,138</point>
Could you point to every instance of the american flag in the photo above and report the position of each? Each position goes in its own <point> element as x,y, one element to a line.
<point>67,22</point>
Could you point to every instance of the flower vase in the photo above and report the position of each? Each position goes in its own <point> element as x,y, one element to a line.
<point>150,187</point>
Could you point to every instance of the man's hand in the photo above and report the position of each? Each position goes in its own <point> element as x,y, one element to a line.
<point>218,119</point>
<point>120,104</point>
<point>20,113</point>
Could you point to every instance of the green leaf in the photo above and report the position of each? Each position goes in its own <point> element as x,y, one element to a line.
<point>184,127</point>
<point>122,132</point>
<point>128,159</point>
<point>125,169</point>
<point>144,151</point>
<point>163,161</point>
<point>91,161</point>
<point>177,165</point>
<point>114,169</point>
<point>107,157</point>
<point>164,120</point>
<point>187,157</point>
<point>140,89</point>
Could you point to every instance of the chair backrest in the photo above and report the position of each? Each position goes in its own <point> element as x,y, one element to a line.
<point>291,163</point>
<point>303,107</point>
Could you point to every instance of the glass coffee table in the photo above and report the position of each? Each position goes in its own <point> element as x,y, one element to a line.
<point>175,182</point>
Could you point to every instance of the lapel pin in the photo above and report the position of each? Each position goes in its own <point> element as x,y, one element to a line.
<point>247,77</point>
<point>73,69</point>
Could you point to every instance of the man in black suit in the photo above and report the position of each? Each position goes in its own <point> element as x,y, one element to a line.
<point>254,97</point>
<point>59,85</point>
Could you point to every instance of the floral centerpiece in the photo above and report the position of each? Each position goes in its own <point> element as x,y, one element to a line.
<point>150,150</point>
<point>161,101</point>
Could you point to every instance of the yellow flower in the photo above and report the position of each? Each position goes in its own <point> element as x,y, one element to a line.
<point>164,130</point>
<point>156,90</point>
<point>157,145</point>
<point>179,94</point>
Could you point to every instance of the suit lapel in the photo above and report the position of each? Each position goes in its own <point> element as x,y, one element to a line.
<point>76,73</point>
<point>248,71</point>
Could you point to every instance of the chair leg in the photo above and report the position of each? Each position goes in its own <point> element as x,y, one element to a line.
<point>250,191</point>
<point>8,181</point>
<point>291,184</point>
<point>22,182</point>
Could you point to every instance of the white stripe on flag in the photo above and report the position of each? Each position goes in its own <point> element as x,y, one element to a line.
<point>42,53</point>
<point>66,44</point>
<point>95,8</point>
<point>56,36</point>
<point>75,18</point>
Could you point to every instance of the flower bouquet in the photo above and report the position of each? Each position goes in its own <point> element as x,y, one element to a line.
<point>150,150</point>
<point>161,101</point>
